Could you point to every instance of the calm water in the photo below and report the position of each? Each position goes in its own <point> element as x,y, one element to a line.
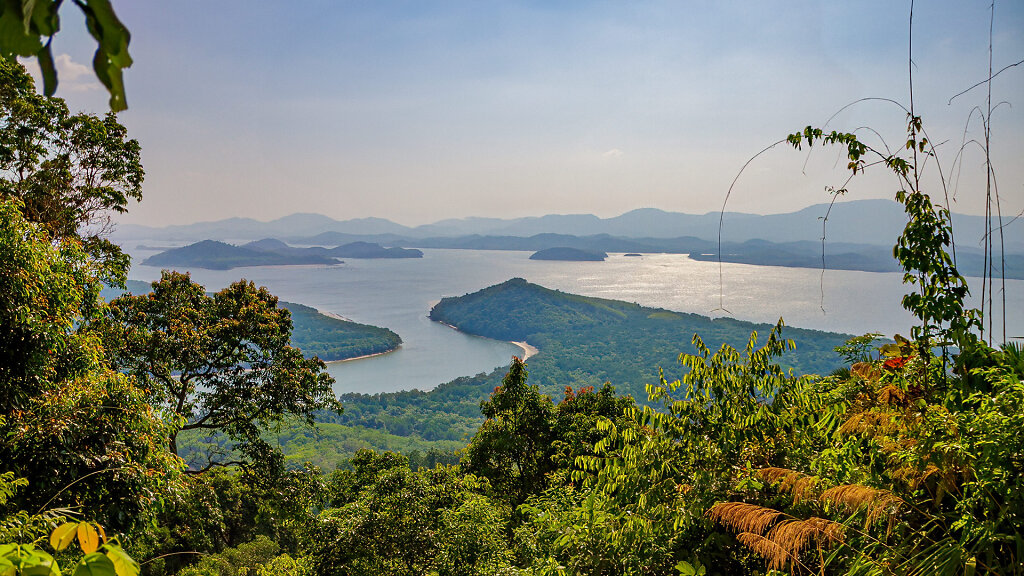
<point>398,294</point>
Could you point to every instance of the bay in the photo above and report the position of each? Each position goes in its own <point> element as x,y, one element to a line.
<point>399,293</point>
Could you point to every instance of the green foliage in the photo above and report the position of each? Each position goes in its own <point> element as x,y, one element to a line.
<point>80,433</point>
<point>224,513</point>
<point>922,248</point>
<point>589,341</point>
<point>449,412</point>
<point>316,334</point>
<point>324,445</point>
<point>656,471</point>
<point>388,519</point>
<point>100,556</point>
<point>335,339</point>
<point>510,448</point>
<point>24,25</point>
<point>44,289</point>
<point>216,363</point>
<point>248,559</point>
<point>68,170</point>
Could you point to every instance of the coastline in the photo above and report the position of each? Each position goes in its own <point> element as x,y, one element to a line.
<point>363,356</point>
<point>528,349</point>
<point>340,317</point>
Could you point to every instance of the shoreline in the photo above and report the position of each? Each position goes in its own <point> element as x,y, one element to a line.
<point>339,317</point>
<point>364,356</point>
<point>527,348</point>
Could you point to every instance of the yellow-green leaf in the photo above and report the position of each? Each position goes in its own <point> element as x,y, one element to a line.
<point>38,563</point>
<point>6,568</point>
<point>124,564</point>
<point>95,564</point>
<point>63,535</point>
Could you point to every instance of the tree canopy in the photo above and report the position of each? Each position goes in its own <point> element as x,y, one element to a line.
<point>216,363</point>
<point>69,171</point>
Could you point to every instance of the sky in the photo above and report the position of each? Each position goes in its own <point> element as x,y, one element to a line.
<point>419,111</point>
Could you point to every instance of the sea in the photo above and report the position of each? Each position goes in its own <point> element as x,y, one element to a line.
<point>398,294</point>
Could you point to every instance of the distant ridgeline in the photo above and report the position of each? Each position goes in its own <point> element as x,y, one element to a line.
<point>314,333</point>
<point>216,255</point>
<point>858,236</point>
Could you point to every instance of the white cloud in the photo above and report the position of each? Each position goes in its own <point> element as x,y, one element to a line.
<point>71,76</point>
<point>613,153</point>
<point>74,76</point>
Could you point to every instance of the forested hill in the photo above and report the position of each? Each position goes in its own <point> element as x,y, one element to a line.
<point>336,339</point>
<point>314,333</point>
<point>590,340</point>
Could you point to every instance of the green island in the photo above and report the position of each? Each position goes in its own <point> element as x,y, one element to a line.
<point>569,254</point>
<point>216,255</point>
<point>317,334</point>
<point>588,341</point>
<point>357,249</point>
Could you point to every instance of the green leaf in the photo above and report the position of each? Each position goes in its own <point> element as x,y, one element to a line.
<point>6,568</point>
<point>124,564</point>
<point>112,53</point>
<point>38,563</point>
<point>95,564</point>
<point>27,7</point>
<point>49,70</point>
<point>13,39</point>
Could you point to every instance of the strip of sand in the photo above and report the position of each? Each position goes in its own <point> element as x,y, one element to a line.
<point>528,350</point>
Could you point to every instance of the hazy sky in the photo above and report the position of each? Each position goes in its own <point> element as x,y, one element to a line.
<point>417,111</point>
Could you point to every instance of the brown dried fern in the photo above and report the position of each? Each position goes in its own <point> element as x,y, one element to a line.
<point>793,535</point>
<point>892,395</point>
<point>775,555</point>
<point>743,517</point>
<point>856,497</point>
<point>800,485</point>
<point>870,423</point>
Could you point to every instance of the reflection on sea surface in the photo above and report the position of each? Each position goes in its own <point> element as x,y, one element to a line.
<point>398,294</point>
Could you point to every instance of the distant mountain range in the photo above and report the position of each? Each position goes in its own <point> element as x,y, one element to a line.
<point>860,222</point>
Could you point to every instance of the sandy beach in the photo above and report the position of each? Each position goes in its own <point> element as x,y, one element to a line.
<point>528,350</point>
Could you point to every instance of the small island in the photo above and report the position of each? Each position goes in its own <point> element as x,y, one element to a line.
<point>215,255</point>
<point>317,334</point>
<point>633,255</point>
<point>373,250</point>
<point>569,254</point>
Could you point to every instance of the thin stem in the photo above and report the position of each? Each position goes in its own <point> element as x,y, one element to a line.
<point>721,221</point>
<point>61,491</point>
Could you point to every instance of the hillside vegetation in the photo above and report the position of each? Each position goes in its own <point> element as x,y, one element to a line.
<point>589,341</point>
<point>316,334</point>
